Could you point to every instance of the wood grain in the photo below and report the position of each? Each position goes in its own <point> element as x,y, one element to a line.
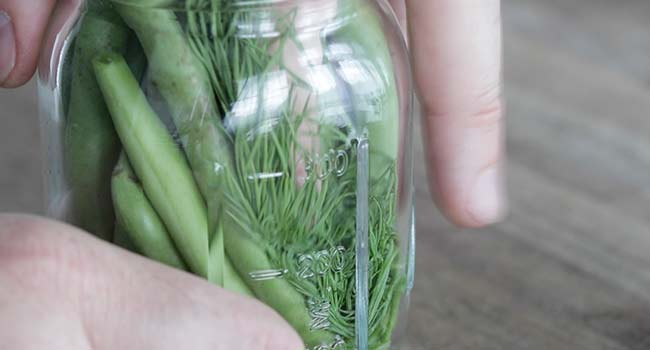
<point>570,268</point>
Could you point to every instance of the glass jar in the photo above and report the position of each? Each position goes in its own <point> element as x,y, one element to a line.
<point>264,145</point>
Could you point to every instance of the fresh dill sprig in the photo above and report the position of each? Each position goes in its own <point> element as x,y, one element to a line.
<point>306,228</point>
<point>296,222</point>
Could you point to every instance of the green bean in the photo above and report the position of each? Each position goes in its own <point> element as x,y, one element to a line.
<point>136,216</point>
<point>91,146</point>
<point>248,256</point>
<point>233,281</point>
<point>183,82</point>
<point>121,239</point>
<point>158,162</point>
<point>222,272</point>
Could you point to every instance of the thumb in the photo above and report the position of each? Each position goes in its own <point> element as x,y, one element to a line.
<point>107,298</point>
<point>22,24</point>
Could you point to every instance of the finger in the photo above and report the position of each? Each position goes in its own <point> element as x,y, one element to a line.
<point>22,24</point>
<point>399,7</point>
<point>60,26</point>
<point>101,297</point>
<point>457,64</point>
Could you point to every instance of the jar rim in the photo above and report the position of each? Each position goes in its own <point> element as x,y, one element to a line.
<point>204,5</point>
<point>262,18</point>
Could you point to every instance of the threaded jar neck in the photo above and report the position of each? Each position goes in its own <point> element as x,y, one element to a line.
<point>261,18</point>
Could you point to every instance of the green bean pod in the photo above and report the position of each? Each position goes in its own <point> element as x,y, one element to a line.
<point>91,145</point>
<point>139,220</point>
<point>248,256</point>
<point>121,239</point>
<point>222,272</point>
<point>184,84</point>
<point>158,162</point>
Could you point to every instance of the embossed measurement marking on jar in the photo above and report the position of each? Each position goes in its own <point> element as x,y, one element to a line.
<point>265,275</point>
<point>332,162</point>
<point>319,311</point>
<point>265,176</point>
<point>337,344</point>
<point>319,263</point>
<point>310,265</point>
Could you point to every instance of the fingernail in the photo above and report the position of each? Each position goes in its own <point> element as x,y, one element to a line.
<point>486,202</point>
<point>7,46</point>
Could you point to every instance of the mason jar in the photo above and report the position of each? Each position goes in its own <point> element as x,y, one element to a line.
<point>264,145</point>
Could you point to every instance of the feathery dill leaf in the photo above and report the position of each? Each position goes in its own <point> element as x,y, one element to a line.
<point>297,223</point>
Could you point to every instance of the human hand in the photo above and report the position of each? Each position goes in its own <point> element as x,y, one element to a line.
<point>62,289</point>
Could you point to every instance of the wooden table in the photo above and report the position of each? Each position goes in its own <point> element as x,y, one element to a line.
<point>570,268</point>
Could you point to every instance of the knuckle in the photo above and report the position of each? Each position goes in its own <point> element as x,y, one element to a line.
<point>481,107</point>
<point>489,109</point>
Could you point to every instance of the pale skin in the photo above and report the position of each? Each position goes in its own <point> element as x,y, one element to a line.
<point>60,289</point>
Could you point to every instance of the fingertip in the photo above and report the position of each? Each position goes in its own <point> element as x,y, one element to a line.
<point>466,157</point>
<point>483,203</point>
<point>18,79</point>
<point>22,26</point>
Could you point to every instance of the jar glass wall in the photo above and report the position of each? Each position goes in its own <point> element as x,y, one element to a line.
<point>264,145</point>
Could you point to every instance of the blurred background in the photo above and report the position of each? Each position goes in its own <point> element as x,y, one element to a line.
<point>570,268</point>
